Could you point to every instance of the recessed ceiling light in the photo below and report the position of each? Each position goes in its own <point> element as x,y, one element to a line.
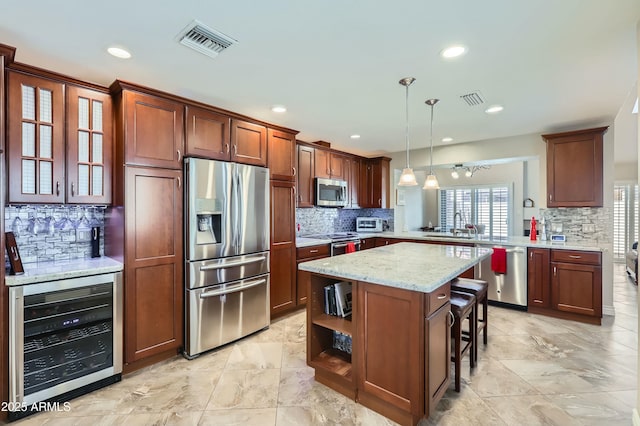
<point>355,136</point>
<point>453,51</point>
<point>494,109</point>
<point>447,139</point>
<point>278,108</point>
<point>119,52</point>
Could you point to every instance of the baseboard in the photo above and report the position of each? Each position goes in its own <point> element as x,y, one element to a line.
<point>609,310</point>
<point>635,417</point>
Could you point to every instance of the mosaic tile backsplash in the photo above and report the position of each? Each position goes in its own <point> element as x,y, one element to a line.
<point>318,220</point>
<point>48,233</point>
<point>573,221</point>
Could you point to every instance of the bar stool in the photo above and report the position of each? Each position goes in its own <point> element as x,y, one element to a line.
<point>480,289</point>
<point>462,307</point>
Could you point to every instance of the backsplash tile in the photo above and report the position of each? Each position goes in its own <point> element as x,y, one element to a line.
<point>318,220</point>
<point>573,219</point>
<point>54,236</point>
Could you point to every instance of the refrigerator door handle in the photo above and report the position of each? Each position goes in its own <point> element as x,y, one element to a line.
<point>230,264</point>
<point>236,289</point>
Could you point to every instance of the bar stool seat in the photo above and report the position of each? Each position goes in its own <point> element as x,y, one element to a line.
<point>462,307</point>
<point>480,289</point>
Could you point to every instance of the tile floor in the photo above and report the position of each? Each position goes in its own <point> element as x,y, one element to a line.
<point>535,371</point>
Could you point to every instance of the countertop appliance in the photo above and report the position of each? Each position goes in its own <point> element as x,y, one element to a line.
<point>369,224</point>
<point>506,289</point>
<point>227,253</point>
<point>65,339</point>
<point>331,192</point>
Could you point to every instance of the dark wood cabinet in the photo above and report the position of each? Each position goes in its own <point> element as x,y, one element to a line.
<point>538,289</point>
<point>304,254</point>
<point>248,143</point>
<point>306,167</point>
<point>283,247</point>
<point>5,55</point>
<point>89,146</point>
<point>374,187</point>
<point>353,181</point>
<point>565,284</point>
<point>208,133</point>
<point>331,165</point>
<point>153,296</point>
<point>282,155</point>
<point>574,168</point>
<point>35,145</point>
<point>154,130</point>
<point>367,243</point>
<point>322,160</point>
<point>340,166</point>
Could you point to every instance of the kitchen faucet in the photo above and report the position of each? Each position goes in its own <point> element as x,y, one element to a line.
<point>455,228</point>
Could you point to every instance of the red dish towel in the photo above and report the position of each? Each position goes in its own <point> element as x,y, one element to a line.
<point>499,260</point>
<point>351,247</point>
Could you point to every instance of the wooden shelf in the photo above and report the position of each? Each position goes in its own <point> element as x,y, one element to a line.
<point>332,322</point>
<point>334,361</point>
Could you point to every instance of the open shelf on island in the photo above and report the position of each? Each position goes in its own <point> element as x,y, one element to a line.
<point>333,322</point>
<point>334,361</point>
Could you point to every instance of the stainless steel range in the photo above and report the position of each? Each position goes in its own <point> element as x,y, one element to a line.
<point>340,241</point>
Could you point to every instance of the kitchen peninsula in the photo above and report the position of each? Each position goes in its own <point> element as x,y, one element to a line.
<point>398,363</point>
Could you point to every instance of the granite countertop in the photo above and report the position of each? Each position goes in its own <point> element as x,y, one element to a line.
<point>411,266</point>
<point>52,271</point>
<point>508,241</point>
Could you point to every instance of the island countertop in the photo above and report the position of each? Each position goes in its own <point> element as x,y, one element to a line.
<point>411,266</point>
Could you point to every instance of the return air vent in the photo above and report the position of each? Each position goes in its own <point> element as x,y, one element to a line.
<point>204,40</point>
<point>473,98</point>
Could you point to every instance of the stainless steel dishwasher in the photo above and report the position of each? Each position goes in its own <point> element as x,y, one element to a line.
<point>510,288</point>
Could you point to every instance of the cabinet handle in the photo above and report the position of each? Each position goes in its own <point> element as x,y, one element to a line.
<point>57,188</point>
<point>453,319</point>
<point>442,296</point>
<point>235,150</point>
<point>294,171</point>
<point>227,147</point>
<point>554,271</point>
<point>531,255</point>
<point>179,156</point>
<point>573,256</point>
<point>179,183</point>
<point>380,202</point>
<point>550,197</point>
<point>73,192</point>
<point>313,251</point>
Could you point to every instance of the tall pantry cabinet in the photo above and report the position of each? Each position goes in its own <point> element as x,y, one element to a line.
<point>145,227</point>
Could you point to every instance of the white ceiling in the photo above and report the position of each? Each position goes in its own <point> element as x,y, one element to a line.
<point>554,65</point>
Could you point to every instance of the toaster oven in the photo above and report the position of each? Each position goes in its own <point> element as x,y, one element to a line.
<point>369,224</point>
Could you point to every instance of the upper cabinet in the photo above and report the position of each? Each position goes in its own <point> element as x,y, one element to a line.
<point>248,143</point>
<point>208,133</point>
<point>154,130</point>
<point>282,155</point>
<point>306,166</point>
<point>43,167</point>
<point>574,168</point>
<point>35,144</point>
<point>331,165</point>
<point>374,183</point>
<point>89,146</point>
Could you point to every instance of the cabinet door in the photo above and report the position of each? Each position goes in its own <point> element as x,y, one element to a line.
<point>577,288</point>
<point>283,247</point>
<point>248,143</point>
<point>282,155</point>
<point>306,167</point>
<point>35,146</point>
<point>153,263</point>
<point>438,360</point>
<point>339,166</point>
<point>574,168</point>
<point>367,243</point>
<point>380,183</point>
<point>365,189</point>
<point>154,131</point>
<point>208,134</point>
<point>538,286</point>
<point>89,146</point>
<point>389,350</point>
<point>353,184</point>
<point>322,163</point>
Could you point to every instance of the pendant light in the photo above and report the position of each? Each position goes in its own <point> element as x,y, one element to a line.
<point>407,178</point>
<point>432,180</point>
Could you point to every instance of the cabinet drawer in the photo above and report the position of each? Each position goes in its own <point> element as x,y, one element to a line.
<point>312,251</point>
<point>572,256</point>
<point>437,298</point>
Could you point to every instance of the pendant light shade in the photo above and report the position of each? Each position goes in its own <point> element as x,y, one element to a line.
<point>407,178</point>
<point>432,181</point>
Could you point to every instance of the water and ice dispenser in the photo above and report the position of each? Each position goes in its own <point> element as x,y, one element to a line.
<point>209,222</point>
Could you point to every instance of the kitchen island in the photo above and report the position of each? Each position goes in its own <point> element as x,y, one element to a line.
<point>398,362</point>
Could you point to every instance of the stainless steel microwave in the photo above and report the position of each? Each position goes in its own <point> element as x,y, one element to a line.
<point>331,192</point>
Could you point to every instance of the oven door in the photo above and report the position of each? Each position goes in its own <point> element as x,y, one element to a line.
<point>339,248</point>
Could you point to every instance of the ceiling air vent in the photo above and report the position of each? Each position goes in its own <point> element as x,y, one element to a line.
<point>473,98</point>
<point>204,40</point>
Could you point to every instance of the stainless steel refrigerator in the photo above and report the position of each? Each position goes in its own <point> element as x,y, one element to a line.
<point>227,253</point>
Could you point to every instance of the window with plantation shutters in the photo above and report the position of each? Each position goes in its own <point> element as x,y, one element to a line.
<point>625,219</point>
<point>487,205</point>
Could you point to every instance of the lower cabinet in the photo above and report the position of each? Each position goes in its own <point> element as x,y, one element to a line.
<point>399,363</point>
<point>367,243</point>
<point>304,254</point>
<point>283,247</point>
<point>565,284</point>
